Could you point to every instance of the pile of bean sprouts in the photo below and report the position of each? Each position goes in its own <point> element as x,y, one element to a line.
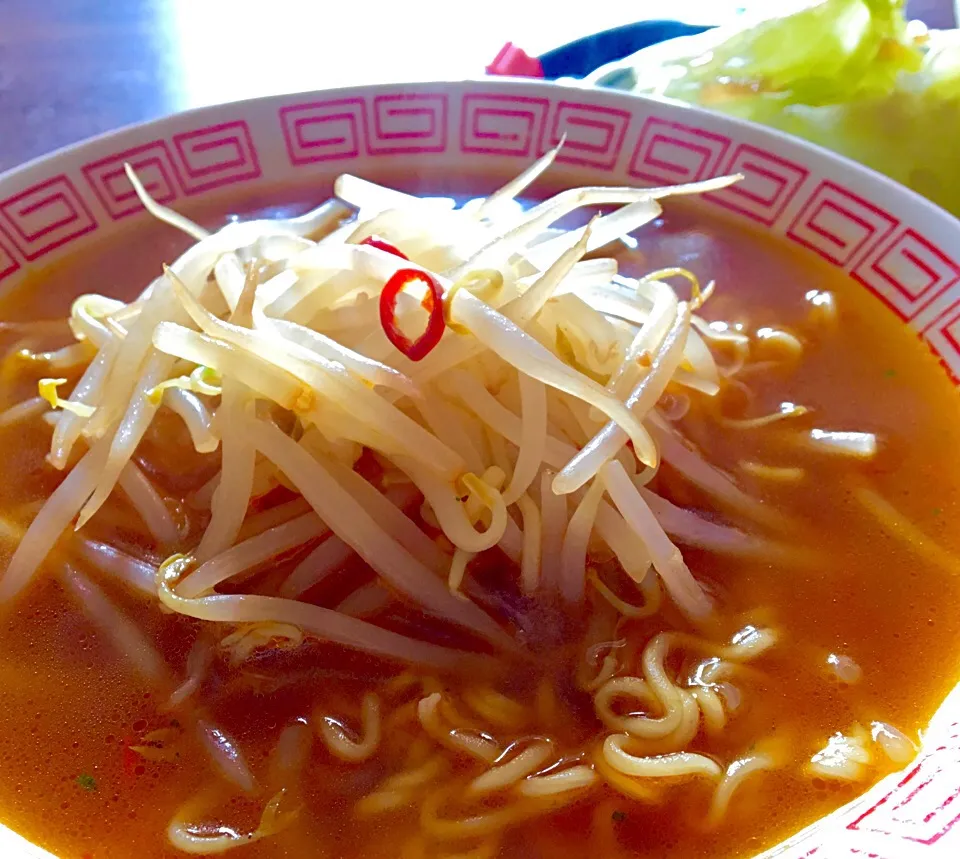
<point>533,426</point>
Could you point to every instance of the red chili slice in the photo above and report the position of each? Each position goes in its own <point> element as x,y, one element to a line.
<point>380,244</point>
<point>415,350</point>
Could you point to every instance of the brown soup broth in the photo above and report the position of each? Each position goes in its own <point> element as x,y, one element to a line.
<point>71,707</point>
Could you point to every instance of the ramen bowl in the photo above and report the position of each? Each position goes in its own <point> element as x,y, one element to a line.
<point>466,138</point>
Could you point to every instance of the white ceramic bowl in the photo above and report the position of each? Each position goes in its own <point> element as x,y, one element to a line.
<point>895,244</point>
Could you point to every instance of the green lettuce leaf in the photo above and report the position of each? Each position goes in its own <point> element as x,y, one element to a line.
<point>851,75</point>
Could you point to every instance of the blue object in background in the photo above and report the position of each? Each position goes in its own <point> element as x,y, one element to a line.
<point>579,58</point>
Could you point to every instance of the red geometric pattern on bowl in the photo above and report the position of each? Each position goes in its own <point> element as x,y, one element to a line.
<point>907,274</point>
<point>594,134</point>
<point>769,184</point>
<point>838,224</point>
<point>921,807</point>
<point>46,216</point>
<point>8,265</point>
<point>502,125</point>
<point>943,336</point>
<point>219,155</point>
<point>670,153</point>
<point>409,122</point>
<point>835,852</point>
<point>153,165</point>
<point>323,130</point>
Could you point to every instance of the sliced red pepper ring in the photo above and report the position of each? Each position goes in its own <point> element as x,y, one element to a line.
<point>415,350</point>
<point>380,244</point>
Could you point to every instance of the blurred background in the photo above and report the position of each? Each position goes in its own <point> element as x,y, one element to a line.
<point>73,68</point>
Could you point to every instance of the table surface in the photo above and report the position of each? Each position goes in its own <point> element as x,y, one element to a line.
<point>70,69</point>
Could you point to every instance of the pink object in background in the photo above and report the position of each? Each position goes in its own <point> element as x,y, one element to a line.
<point>515,62</point>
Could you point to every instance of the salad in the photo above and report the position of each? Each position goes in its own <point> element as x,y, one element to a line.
<point>854,76</point>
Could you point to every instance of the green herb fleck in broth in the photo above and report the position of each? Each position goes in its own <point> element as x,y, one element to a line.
<point>87,781</point>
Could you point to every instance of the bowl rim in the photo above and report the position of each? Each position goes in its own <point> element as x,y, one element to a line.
<point>519,84</point>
